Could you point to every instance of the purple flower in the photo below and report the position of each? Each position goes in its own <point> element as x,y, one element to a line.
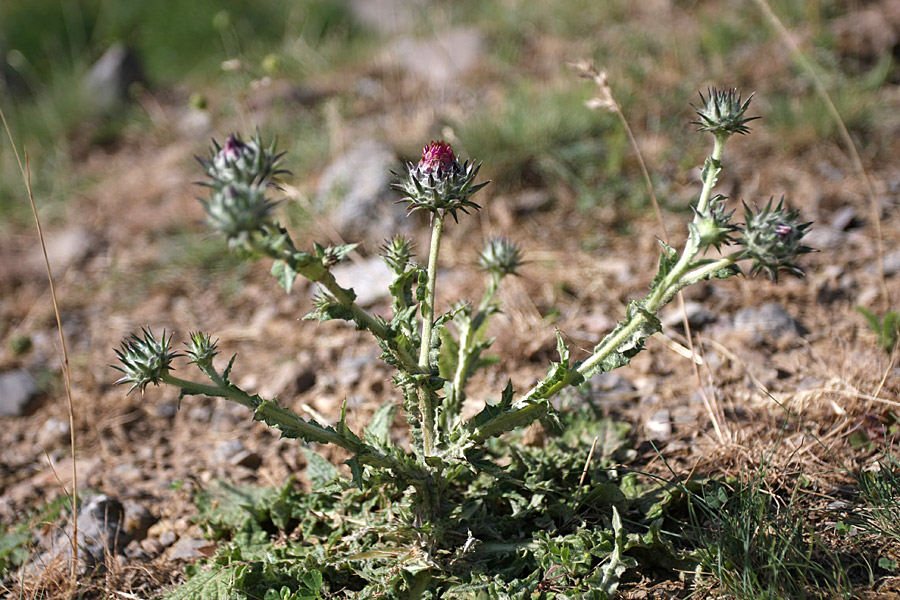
<point>233,149</point>
<point>438,158</point>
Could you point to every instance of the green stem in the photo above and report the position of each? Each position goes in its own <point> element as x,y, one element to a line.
<point>682,274</point>
<point>710,181</point>
<point>428,303</point>
<point>311,268</point>
<point>364,320</point>
<point>286,420</point>
<point>426,395</point>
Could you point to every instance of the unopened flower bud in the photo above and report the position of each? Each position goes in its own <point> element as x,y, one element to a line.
<point>722,112</point>
<point>714,228</point>
<point>439,183</point>
<point>240,162</point>
<point>238,210</point>
<point>202,348</point>
<point>500,257</point>
<point>144,360</point>
<point>397,253</point>
<point>772,238</point>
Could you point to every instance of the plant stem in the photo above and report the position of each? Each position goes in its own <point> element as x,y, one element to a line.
<point>363,319</point>
<point>428,303</point>
<point>307,265</point>
<point>674,280</point>
<point>685,272</point>
<point>286,420</point>
<point>426,404</point>
<point>710,181</point>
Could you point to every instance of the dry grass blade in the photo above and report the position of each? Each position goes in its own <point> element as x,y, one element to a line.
<point>26,176</point>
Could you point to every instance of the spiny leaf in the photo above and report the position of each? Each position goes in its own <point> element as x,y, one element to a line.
<point>321,473</point>
<point>285,274</point>
<point>667,260</point>
<point>378,431</point>
<point>616,562</point>
<point>711,168</point>
<point>214,584</point>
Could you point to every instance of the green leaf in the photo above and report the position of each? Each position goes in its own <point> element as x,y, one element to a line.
<point>378,431</point>
<point>215,584</point>
<point>556,374</point>
<point>285,274</point>
<point>279,417</point>
<point>562,350</point>
<point>711,168</point>
<point>355,471</point>
<point>887,329</point>
<point>321,473</point>
<point>667,260</point>
<point>632,345</point>
<point>343,429</point>
<point>616,563</point>
<point>401,290</point>
<point>491,411</point>
<point>336,254</point>
<point>449,358</point>
<point>13,549</point>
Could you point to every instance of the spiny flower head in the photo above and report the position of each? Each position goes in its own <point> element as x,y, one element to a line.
<point>242,162</point>
<point>714,227</point>
<point>238,210</point>
<point>397,252</point>
<point>202,348</point>
<point>240,174</point>
<point>772,238</point>
<point>439,183</point>
<point>722,112</point>
<point>500,257</point>
<point>144,360</point>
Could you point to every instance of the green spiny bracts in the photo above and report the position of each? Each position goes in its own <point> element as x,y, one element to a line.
<point>144,360</point>
<point>771,238</point>
<point>240,162</point>
<point>397,252</point>
<point>239,210</point>
<point>201,349</point>
<point>500,257</point>
<point>439,183</point>
<point>722,112</point>
<point>713,228</point>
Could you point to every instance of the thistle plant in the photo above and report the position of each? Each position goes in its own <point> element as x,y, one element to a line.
<point>434,355</point>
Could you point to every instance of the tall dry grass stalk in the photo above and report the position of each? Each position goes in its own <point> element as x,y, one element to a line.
<point>64,360</point>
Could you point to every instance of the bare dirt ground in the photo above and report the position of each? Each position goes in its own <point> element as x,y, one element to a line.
<point>793,398</point>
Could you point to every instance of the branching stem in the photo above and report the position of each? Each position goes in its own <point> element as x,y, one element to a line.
<point>685,272</point>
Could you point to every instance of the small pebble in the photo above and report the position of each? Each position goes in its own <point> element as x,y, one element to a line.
<point>18,389</point>
<point>53,433</point>
<point>152,546</point>
<point>167,538</point>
